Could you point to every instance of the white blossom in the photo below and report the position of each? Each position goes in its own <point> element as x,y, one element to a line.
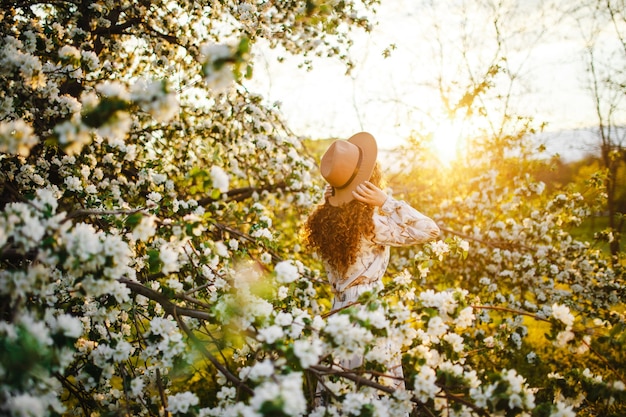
<point>168,254</point>
<point>440,248</point>
<point>145,229</point>
<point>270,334</point>
<point>425,387</point>
<point>219,178</point>
<point>67,325</point>
<point>562,313</point>
<point>26,405</point>
<point>286,272</point>
<point>563,410</point>
<point>17,137</point>
<point>180,403</point>
<point>308,351</point>
<point>68,51</point>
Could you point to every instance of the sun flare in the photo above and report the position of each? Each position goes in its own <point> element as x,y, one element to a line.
<point>446,141</point>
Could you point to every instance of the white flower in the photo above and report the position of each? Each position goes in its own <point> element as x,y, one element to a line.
<point>122,351</point>
<point>68,325</point>
<point>285,390</point>
<point>153,98</point>
<point>283,292</point>
<point>68,51</point>
<point>515,401</point>
<point>465,319</point>
<point>515,381</point>
<point>308,351</point>
<point>440,248</point>
<point>563,410</point>
<point>286,272</point>
<point>266,258</point>
<point>73,136</point>
<point>376,318</point>
<point>136,386</point>
<point>90,59</point>
<point>258,371</point>
<point>425,387</point>
<point>221,250</point>
<point>353,403</point>
<point>155,196</point>
<point>262,233</point>
<point>113,89</point>
<point>436,328</point>
<point>455,341</point>
<point>218,74</point>
<point>145,229</point>
<point>73,183</point>
<point>37,329</point>
<point>562,313</point>
<point>174,284</point>
<point>219,178</point>
<point>403,278</point>
<point>25,405</point>
<point>271,334</point>
<point>17,137</point>
<point>283,319</point>
<point>169,257</point>
<point>563,338</point>
<point>444,301</point>
<point>180,403</point>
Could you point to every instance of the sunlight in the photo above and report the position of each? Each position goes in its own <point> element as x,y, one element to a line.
<point>446,142</point>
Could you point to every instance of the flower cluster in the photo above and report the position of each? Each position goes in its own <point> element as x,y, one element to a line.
<point>149,254</point>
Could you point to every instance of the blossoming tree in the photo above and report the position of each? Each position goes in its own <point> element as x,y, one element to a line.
<point>149,252</point>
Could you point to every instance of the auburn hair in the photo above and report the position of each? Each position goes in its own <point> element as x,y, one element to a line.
<point>335,233</point>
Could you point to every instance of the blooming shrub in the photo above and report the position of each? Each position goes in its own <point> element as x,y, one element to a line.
<point>150,262</point>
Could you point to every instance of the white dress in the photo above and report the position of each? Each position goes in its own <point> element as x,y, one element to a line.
<point>395,224</point>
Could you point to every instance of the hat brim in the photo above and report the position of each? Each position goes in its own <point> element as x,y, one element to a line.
<point>369,149</point>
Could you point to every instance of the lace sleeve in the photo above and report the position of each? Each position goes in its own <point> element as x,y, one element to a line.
<point>399,224</point>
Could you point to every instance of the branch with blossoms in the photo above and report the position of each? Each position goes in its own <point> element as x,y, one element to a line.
<point>564,317</point>
<point>96,212</point>
<point>242,194</point>
<point>320,371</point>
<point>497,244</point>
<point>176,312</point>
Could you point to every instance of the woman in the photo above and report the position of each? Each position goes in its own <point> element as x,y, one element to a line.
<point>358,222</point>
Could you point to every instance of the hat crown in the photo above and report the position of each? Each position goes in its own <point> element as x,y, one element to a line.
<point>346,164</point>
<point>340,163</point>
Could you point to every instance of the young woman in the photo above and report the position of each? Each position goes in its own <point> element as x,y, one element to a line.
<point>358,222</point>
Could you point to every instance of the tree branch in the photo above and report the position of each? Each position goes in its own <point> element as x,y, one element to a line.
<point>241,194</point>
<point>176,312</point>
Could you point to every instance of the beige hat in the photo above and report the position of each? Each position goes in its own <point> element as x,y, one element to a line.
<point>346,164</point>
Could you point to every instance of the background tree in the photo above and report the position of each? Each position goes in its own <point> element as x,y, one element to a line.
<point>150,261</point>
<point>605,67</point>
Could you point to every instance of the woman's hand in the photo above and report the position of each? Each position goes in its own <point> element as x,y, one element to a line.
<point>368,193</point>
<point>328,192</point>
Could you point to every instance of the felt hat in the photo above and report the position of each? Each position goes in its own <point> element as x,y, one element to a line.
<point>348,163</point>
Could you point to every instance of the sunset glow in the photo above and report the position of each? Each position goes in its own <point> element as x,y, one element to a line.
<point>446,141</point>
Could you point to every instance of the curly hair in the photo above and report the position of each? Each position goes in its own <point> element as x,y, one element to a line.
<point>335,233</point>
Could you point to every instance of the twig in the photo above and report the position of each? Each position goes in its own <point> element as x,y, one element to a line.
<point>227,374</point>
<point>176,311</point>
<point>95,212</point>
<point>510,310</point>
<point>484,242</point>
<point>162,393</point>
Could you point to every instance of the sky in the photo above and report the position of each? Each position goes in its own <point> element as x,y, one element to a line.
<point>392,96</point>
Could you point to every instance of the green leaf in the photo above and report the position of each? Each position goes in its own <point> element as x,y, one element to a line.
<point>134,219</point>
<point>154,261</point>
